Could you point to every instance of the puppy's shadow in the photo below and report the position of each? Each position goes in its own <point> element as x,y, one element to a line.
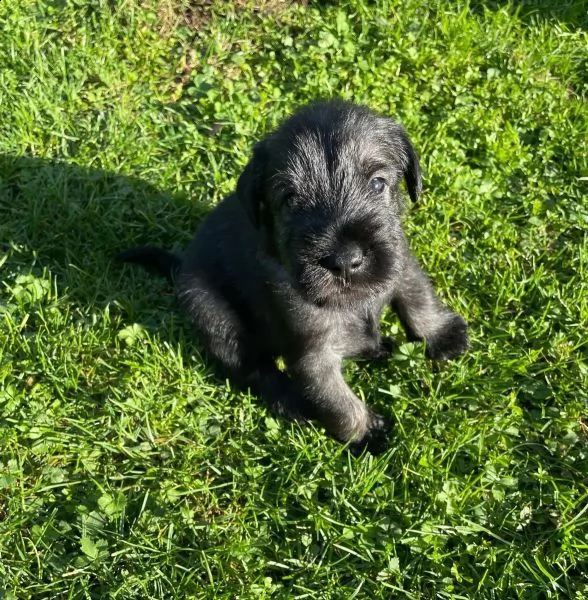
<point>70,221</point>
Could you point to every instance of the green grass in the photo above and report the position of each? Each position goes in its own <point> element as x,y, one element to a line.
<point>126,469</point>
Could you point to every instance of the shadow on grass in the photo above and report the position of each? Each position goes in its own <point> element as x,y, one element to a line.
<point>71,221</point>
<point>75,219</point>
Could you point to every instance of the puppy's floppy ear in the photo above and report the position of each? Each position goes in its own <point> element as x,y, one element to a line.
<point>250,189</point>
<point>412,169</point>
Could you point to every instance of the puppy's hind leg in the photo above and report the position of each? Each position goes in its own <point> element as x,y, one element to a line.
<point>235,350</point>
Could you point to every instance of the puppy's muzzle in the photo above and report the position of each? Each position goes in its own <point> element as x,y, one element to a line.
<point>345,261</point>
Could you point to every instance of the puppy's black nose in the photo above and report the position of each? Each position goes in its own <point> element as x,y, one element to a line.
<point>345,261</point>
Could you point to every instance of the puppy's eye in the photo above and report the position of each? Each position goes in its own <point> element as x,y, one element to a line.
<point>377,184</point>
<point>288,199</point>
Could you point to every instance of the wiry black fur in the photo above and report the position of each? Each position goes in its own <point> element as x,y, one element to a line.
<point>300,262</point>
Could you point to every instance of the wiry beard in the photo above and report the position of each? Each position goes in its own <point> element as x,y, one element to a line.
<point>324,288</point>
<point>304,241</point>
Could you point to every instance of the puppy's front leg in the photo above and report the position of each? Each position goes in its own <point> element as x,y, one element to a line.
<point>424,317</point>
<point>344,415</point>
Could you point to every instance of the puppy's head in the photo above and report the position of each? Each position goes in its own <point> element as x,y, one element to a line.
<point>324,190</point>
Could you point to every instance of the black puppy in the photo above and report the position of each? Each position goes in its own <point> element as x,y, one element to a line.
<point>300,262</point>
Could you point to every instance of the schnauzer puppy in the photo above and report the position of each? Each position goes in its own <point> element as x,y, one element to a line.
<point>300,262</point>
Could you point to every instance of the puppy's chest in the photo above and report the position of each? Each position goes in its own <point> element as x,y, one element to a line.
<point>346,332</point>
<point>352,334</point>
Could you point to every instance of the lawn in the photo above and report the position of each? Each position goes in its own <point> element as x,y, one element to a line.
<point>127,469</point>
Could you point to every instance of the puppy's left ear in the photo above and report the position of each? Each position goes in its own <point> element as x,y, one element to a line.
<point>412,169</point>
<point>250,184</point>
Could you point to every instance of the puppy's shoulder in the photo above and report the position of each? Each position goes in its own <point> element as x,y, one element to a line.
<point>225,231</point>
<point>227,216</point>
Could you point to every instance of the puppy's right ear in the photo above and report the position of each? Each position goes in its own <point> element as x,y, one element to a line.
<point>250,184</point>
<point>412,170</point>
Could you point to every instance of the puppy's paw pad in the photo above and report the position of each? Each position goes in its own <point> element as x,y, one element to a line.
<point>376,440</point>
<point>450,341</point>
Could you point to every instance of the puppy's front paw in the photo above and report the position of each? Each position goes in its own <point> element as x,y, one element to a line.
<point>376,440</point>
<point>449,341</point>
